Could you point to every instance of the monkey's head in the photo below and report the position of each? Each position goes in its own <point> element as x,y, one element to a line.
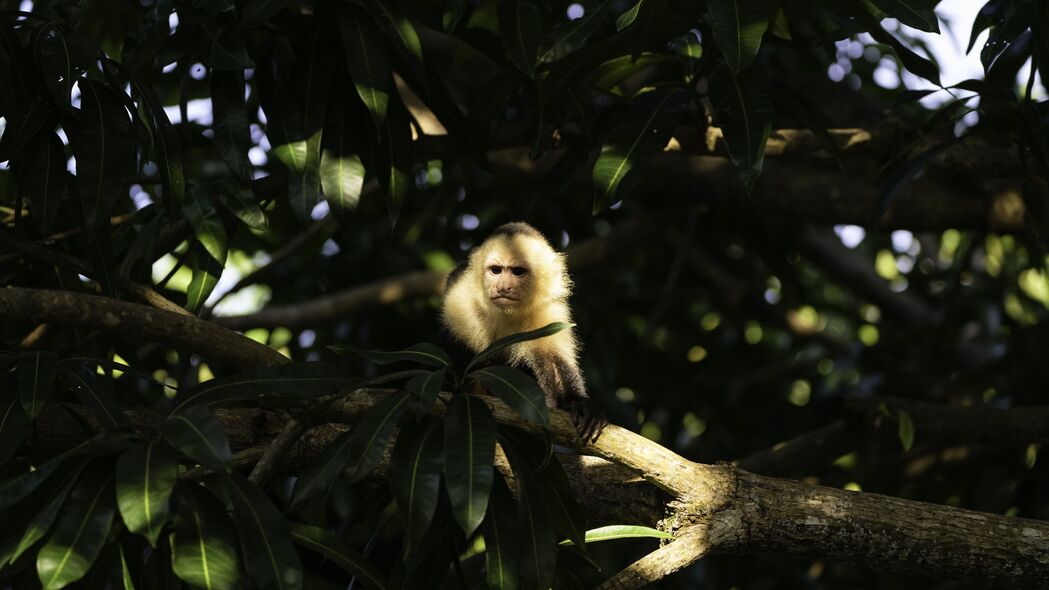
<point>519,270</point>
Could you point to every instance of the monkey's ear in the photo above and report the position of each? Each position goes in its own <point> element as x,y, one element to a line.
<point>502,343</point>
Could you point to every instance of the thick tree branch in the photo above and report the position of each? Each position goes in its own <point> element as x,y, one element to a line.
<point>45,306</point>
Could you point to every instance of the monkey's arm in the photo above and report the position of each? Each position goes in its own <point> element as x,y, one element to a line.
<point>562,382</point>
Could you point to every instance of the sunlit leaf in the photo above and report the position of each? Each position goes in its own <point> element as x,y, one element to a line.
<point>627,18</point>
<point>415,477</point>
<point>241,201</point>
<point>80,532</point>
<point>621,531</point>
<point>41,523</point>
<point>203,552</point>
<point>906,430</point>
<point>366,59</point>
<point>469,452</point>
<point>573,35</point>
<point>626,153</point>
<point>397,28</point>
<point>146,476</point>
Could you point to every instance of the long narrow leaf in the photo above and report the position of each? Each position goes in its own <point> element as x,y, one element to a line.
<point>79,533</point>
<point>521,29</point>
<point>415,478</point>
<point>372,433</point>
<point>321,473</point>
<point>621,531</point>
<point>203,552</point>
<point>517,389</point>
<point>291,381</point>
<point>738,26</point>
<point>268,552</point>
<point>13,425</point>
<point>501,539</point>
<point>146,476</point>
<point>469,452</point>
<point>36,380</point>
<point>103,151</point>
<point>329,546</point>
<point>366,59</point>
<point>497,346</point>
<point>743,108</point>
<point>199,435</point>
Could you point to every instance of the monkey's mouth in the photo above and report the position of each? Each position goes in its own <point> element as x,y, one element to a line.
<point>504,299</point>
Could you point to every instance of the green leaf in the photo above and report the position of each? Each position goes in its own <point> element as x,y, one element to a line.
<point>913,13</point>
<point>13,425</point>
<point>626,153</point>
<point>231,125</point>
<point>198,434</point>
<point>104,152</point>
<point>371,435</point>
<point>550,480</point>
<point>45,517</point>
<point>206,274</point>
<point>262,10</point>
<point>23,130</point>
<point>207,228</point>
<point>521,29</point>
<point>80,532</point>
<point>320,474</point>
<point>738,26</point>
<point>912,61</point>
<point>36,380</point>
<point>534,533</point>
<point>469,452</point>
<point>424,390</point>
<point>269,555</point>
<point>627,18</point>
<point>96,393</point>
<point>743,108</point>
<point>227,51</point>
<point>397,28</point>
<point>497,346</point>
<point>146,476</point>
<point>288,381</point>
<point>621,531</point>
<point>203,552</point>
<point>64,57</point>
<point>570,36</point>
<point>18,487</point>
<point>241,201</point>
<point>423,353</point>
<point>334,550</point>
<point>342,179</point>
<point>366,59</point>
<point>906,430</point>
<point>501,539</point>
<point>45,180</point>
<point>415,478</point>
<point>394,157</point>
<point>517,389</point>
<point>166,148</point>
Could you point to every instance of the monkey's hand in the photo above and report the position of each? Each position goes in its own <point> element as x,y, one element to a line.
<point>587,418</point>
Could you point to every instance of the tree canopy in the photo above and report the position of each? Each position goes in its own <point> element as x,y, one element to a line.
<point>810,282</point>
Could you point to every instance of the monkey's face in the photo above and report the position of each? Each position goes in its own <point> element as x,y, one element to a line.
<point>507,280</point>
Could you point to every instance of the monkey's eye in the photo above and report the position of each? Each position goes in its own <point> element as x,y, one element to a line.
<point>519,271</point>
<point>495,269</point>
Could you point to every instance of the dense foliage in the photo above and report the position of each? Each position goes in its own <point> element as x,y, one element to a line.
<point>299,150</point>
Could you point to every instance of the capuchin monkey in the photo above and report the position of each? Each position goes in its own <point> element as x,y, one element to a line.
<point>515,282</point>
